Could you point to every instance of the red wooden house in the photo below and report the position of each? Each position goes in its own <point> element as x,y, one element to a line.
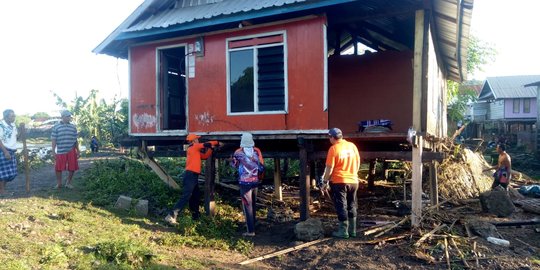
<point>288,70</point>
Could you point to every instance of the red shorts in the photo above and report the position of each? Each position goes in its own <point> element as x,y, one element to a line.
<point>67,161</point>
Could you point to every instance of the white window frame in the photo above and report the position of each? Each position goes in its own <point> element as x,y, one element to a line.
<point>255,81</point>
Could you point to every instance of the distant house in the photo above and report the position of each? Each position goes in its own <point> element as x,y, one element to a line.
<point>536,87</point>
<point>506,108</point>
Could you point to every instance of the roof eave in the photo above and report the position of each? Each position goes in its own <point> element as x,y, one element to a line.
<point>116,43</point>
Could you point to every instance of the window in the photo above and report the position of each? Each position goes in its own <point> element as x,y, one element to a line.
<point>256,74</point>
<point>527,105</point>
<point>516,106</point>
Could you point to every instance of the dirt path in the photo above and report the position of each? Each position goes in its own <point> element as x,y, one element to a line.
<point>44,178</point>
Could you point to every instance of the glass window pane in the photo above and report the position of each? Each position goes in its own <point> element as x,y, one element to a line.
<point>527,105</point>
<point>516,106</point>
<point>241,79</point>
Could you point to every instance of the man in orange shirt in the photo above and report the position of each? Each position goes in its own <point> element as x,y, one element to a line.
<point>342,166</point>
<point>190,190</point>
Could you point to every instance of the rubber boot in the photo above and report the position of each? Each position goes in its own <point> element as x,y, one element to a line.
<point>352,227</point>
<point>343,230</point>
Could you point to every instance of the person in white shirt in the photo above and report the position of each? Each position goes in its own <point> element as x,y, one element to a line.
<point>8,147</point>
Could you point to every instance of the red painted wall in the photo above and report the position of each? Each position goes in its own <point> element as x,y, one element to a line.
<point>369,87</point>
<point>207,92</point>
<point>143,90</point>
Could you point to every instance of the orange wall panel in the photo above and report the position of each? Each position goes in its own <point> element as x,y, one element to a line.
<point>207,91</point>
<point>143,90</point>
<point>369,87</point>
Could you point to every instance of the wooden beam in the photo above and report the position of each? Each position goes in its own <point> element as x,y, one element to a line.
<point>419,34</point>
<point>209,184</point>
<point>304,184</point>
<point>433,183</point>
<point>161,173</point>
<point>416,211</point>
<point>22,130</point>
<point>371,175</point>
<point>278,189</point>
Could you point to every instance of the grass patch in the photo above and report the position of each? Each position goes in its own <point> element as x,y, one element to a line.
<point>80,229</point>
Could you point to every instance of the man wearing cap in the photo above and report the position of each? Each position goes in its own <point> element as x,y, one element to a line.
<point>341,171</point>
<point>65,149</point>
<point>191,194</point>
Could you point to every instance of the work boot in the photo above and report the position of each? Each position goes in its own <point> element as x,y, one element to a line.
<point>343,230</point>
<point>352,227</point>
<point>171,220</point>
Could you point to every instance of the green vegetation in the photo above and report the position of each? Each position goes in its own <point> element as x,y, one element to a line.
<point>93,117</point>
<point>81,230</point>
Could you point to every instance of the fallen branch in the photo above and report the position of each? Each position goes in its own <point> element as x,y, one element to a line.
<point>476,255</point>
<point>377,228</point>
<point>468,230</point>
<point>527,244</point>
<point>429,234</point>
<point>446,253</point>
<point>393,227</point>
<point>281,252</point>
<point>387,239</point>
<point>459,252</point>
<point>517,222</point>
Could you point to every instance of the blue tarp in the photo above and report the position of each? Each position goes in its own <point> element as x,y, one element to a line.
<point>532,190</point>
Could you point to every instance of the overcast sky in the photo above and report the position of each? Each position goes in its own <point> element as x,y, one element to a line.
<point>47,46</point>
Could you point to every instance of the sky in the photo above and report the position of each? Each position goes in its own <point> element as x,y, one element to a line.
<point>47,47</point>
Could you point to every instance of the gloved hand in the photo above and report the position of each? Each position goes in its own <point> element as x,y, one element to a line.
<point>322,184</point>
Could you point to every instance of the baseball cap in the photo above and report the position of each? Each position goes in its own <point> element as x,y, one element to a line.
<point>65,113</point>
<point>335,132</point>
<point>191,137</point>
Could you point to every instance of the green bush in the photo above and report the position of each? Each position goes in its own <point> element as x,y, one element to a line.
<point>108,179</point>
<point>124,253</point>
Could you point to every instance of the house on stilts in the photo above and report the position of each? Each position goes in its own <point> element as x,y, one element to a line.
<point>288,70</point>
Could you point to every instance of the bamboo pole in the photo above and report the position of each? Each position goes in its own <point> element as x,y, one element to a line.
<point>393,227</point>
<point>447,255</point>
<point>22,129</point>
<point>429,234</point>
<point>281,252</point>
<point>460,253</point>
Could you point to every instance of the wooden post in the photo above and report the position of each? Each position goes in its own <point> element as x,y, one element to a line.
<point>416,211</point>
<point>304,184</point>
<point>278,191</point>
<point>22,129</point>
<point>210,175</point>
<point>371,175</point>
<point>417,117</point>
<point>433,181</point>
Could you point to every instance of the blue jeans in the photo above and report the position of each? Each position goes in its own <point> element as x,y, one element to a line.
<point>190,194</point>
<point>248,193</point>
<point>344,197</point>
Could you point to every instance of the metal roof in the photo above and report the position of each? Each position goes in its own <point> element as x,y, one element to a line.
<point>388,23</point>
<point>509,87</point>
<point>179,15</point>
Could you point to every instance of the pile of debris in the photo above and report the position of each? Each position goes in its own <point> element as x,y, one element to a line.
<point>461,175</point>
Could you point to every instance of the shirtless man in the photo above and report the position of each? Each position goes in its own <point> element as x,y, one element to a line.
<point>503,168</point>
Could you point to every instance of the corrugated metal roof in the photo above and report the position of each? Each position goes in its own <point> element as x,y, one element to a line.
<point>153,18</point>
<point>452,26</point>
<point>509,87</point>
<point>181,15</point>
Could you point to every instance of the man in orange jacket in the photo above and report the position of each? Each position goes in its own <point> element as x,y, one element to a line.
<point>342,166</point>
<point>191,193</point>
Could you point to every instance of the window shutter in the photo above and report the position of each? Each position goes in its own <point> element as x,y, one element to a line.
<point>271,79</point>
